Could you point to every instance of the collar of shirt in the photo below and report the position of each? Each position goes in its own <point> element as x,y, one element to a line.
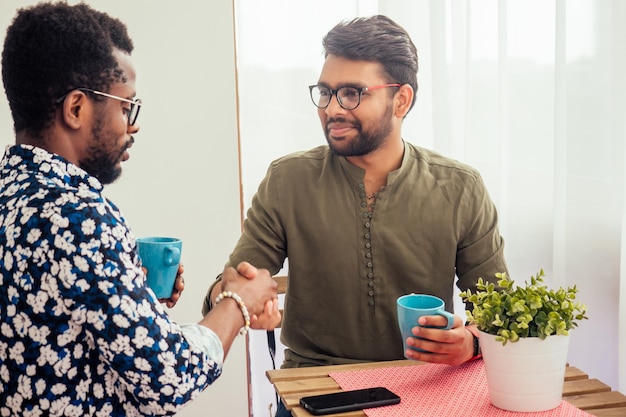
<point>31,159</point>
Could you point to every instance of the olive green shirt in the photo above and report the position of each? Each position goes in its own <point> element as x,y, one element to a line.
<point>433,220</point>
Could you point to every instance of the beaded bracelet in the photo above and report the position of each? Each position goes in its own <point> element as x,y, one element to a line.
<point>242,306</point>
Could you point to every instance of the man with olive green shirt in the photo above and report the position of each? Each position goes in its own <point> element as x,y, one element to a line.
<point>369,217</point>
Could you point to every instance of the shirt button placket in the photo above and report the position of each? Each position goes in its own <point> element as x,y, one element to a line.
<point>367,216</point>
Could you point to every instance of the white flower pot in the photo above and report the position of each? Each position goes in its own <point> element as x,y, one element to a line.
<point>526,375</point>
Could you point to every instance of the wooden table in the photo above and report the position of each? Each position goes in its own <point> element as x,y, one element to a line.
<point>589,394</point>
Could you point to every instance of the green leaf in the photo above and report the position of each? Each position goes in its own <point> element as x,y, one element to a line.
<point>532,310</point>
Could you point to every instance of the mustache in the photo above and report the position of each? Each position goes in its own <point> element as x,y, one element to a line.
<point>343,120</point>
<point>336,120</point>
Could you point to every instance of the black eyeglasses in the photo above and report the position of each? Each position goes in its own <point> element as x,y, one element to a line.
<point>133,110</point>
<point>348,98</point>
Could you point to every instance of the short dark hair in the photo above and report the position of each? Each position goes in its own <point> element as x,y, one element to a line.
<point>52,48</point>
<point>376,39</point>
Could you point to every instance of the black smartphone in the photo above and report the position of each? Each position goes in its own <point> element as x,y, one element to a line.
<point>339,402</point>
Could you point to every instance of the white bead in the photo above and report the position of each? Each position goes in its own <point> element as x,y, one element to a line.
<point>242,307</point>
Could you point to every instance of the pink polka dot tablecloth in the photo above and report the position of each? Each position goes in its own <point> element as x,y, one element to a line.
<point>434,390</point>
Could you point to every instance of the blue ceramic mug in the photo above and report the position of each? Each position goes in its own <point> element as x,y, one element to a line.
<point>160,256</point>
<point>413,306</point>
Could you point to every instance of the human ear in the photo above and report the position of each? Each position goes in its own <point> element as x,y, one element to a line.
<point>73,109</point>
<point>403,100</point>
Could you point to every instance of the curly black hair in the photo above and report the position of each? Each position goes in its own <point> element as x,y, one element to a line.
<point>52,48</point>
<point>376,39</point>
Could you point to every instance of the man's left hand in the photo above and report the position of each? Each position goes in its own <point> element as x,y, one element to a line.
<point>453,346</point>
<point>179,287</point>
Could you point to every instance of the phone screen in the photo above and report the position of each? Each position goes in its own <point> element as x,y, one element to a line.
<point>349,400</point>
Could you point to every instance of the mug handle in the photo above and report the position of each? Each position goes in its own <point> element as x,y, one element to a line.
<point>172,256</point>
<point>447,315</point>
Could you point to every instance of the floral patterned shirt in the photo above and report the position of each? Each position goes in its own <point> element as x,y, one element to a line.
<point>80,333</point>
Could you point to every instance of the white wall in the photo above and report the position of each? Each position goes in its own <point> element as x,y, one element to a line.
<point>182,178</point>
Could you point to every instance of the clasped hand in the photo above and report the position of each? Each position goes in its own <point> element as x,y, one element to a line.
<point>453,347</point>
<point>258,291</point>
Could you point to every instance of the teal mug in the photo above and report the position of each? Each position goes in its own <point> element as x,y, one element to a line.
<point>413,306</point>
<point>160,256</point>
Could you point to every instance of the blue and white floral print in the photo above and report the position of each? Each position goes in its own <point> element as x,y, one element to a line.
<point>80,333</point>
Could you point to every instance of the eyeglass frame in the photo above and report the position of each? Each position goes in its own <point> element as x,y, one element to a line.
<point>335,92</point>
<point>133,102</point>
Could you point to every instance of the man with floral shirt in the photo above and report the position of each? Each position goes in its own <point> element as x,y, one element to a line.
<point>80,333</point>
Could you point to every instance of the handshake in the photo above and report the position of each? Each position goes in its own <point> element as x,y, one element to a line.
<point>255,291</point>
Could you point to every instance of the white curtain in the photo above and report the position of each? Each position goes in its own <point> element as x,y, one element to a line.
<point>530,92</point>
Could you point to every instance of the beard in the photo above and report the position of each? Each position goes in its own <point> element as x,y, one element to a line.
<point>366,141</point>
<point>102,161</point>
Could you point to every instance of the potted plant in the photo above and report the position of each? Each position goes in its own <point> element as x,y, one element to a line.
<point>524,338</point>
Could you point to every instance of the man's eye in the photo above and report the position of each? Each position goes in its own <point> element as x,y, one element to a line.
<point>324,93</point>
<point>349,93</point>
